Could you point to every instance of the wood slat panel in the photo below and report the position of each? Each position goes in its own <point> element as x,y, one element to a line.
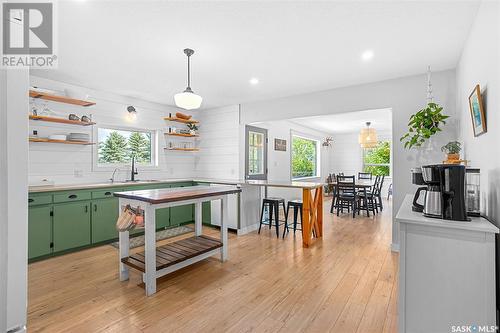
<point>173,253</point>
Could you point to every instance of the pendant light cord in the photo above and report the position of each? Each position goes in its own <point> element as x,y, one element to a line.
<point>189,72</point>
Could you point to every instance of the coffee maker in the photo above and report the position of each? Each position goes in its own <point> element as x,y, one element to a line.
<point>445,193</point>
<point>417,179</point>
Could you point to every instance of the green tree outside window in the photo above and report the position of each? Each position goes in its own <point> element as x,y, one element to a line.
<point>304,157</point>
<point>377,160</point>
<point>118,146</point>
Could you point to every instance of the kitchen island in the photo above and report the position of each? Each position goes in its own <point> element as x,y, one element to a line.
<point>155,262</point>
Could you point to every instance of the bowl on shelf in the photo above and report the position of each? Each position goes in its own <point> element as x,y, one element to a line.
<point>76,94</point>
<point>78,137</point>
<point>60,137</point>
<point>183,116</point>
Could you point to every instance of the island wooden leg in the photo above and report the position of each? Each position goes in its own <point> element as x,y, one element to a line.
<point>319,213</point>
<point>124,247</point>
<point>306,217</point>
<point>150,250</point>
<point>223,227</point>
<point>198,219</point>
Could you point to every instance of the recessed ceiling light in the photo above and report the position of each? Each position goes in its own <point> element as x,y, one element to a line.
<point>254,81</point>
<point>367,55</point>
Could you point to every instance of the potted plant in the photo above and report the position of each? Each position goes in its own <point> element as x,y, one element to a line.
<point>424,124</point>
<point>192,128</point>
<point>452,150</point>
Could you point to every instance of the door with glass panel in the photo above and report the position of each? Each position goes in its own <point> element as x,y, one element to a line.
<point>256,153</point>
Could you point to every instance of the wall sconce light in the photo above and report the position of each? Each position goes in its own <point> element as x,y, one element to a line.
<point>132,113</point>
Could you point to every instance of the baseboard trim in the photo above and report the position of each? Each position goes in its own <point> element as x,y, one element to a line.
<point>248,229</point>
<point>395,247</point>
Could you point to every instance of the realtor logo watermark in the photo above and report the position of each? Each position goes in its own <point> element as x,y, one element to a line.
<point>28,35</point>
<point>473,329</point>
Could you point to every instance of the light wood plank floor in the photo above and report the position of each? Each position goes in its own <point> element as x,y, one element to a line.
<point>345,283</point>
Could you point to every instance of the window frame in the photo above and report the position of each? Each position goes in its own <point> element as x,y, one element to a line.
<point>363,154</point>
<point>318,155</point>
<point>154,165</point>
<point>264,132</point>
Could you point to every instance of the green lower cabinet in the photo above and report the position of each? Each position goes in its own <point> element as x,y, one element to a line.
<point>162,218</point>
<point>206,213</point>
<point>104,216</point>
<point>181,214</point>
<point>71,225</point>
<point>39,231</point>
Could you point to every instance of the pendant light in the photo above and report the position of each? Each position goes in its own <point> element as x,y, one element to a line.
<point>187,99</point>
<point>368,137</point>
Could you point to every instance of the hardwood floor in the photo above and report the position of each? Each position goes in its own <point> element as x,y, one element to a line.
<point>345,283</point>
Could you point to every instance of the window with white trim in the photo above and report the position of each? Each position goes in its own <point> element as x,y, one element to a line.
<point>377,160</point>
<point>116,146</point>
<point>305,159</point>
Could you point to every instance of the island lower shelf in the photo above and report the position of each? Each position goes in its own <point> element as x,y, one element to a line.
<point>175,252</point>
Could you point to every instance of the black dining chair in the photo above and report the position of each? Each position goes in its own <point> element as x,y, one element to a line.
<point>345,195</point>
<point>365,175</point>
<point>378,192</point>
<point>367,199</point>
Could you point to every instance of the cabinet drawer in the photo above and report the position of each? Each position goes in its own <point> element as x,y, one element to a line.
<point>71,196</point>
<point>107,193</point>
<point>42,199</point>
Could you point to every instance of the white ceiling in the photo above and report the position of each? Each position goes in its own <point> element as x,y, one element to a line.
<point>350,122</point>
<point>135,48</point>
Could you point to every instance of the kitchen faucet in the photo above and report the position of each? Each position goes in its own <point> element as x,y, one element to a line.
<point>113,175</point>
<point>133,172</point>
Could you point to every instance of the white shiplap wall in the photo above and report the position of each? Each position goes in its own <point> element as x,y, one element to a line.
<point>73,163</point>
<point>219,143</point>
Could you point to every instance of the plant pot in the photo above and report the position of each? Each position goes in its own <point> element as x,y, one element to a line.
<point>453,157</point>
<point>192,132</point>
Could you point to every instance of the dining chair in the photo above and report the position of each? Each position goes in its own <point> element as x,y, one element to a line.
<point>378,192</point>
<point>345,195</point>
<point>367,198</point>
<point>365,175</point>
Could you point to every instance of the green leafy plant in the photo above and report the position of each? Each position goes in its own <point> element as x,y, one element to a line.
<point>424,124</point>
<point>192,127</point>
<point>452,147</point>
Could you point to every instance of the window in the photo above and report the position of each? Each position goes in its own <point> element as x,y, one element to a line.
<point>256,153</point>
<point>116,146</point>
<point>378,160</point>
<point>305,157</point>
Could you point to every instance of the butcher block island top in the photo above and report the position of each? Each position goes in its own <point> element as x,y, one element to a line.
<point>166,195</point>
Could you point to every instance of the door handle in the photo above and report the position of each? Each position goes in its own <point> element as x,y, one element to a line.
<point>86,208</point>
<point>95,208</point>
<point>73,196</point>
<point>107,193</point>
<point>31,200</point>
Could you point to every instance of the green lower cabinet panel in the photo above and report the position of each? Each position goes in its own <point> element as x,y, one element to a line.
<point>162,218</point>
<point>104,216</point>
<point>206,212</point>
<point>181,214</point>
<point>39,231</point>
<point>71,225</point>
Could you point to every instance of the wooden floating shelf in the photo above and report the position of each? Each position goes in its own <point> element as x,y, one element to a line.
<point>61,120</point>
<point>60,99</point>
<point>183,135</point>
<point>183,149</point>
<point>179,120</point>
<point>175,252</point>
<point>67,142</point>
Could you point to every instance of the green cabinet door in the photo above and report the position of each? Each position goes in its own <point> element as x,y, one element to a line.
<point>104,216</point>
<point>71,225</point>
<point>162,218</point>
<point>181,214</point>
<point>206,212</point>
<point>39,231</point>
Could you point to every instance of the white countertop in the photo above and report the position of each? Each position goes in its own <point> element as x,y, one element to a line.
<point>85,186</point>
<point>406,215</point>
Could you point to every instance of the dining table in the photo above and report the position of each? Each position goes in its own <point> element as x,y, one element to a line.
<point>361,185</point>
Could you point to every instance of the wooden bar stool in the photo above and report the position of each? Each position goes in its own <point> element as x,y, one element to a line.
<point>297,208</point>
<point>273,204</point>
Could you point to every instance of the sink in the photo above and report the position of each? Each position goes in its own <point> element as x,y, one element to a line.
<point>142,181</point>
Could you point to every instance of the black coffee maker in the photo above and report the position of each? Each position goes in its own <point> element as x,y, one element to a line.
<point>445,194</point>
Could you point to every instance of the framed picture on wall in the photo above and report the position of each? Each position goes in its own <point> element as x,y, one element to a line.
<point>477,112</point>
<point>280,144</point>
